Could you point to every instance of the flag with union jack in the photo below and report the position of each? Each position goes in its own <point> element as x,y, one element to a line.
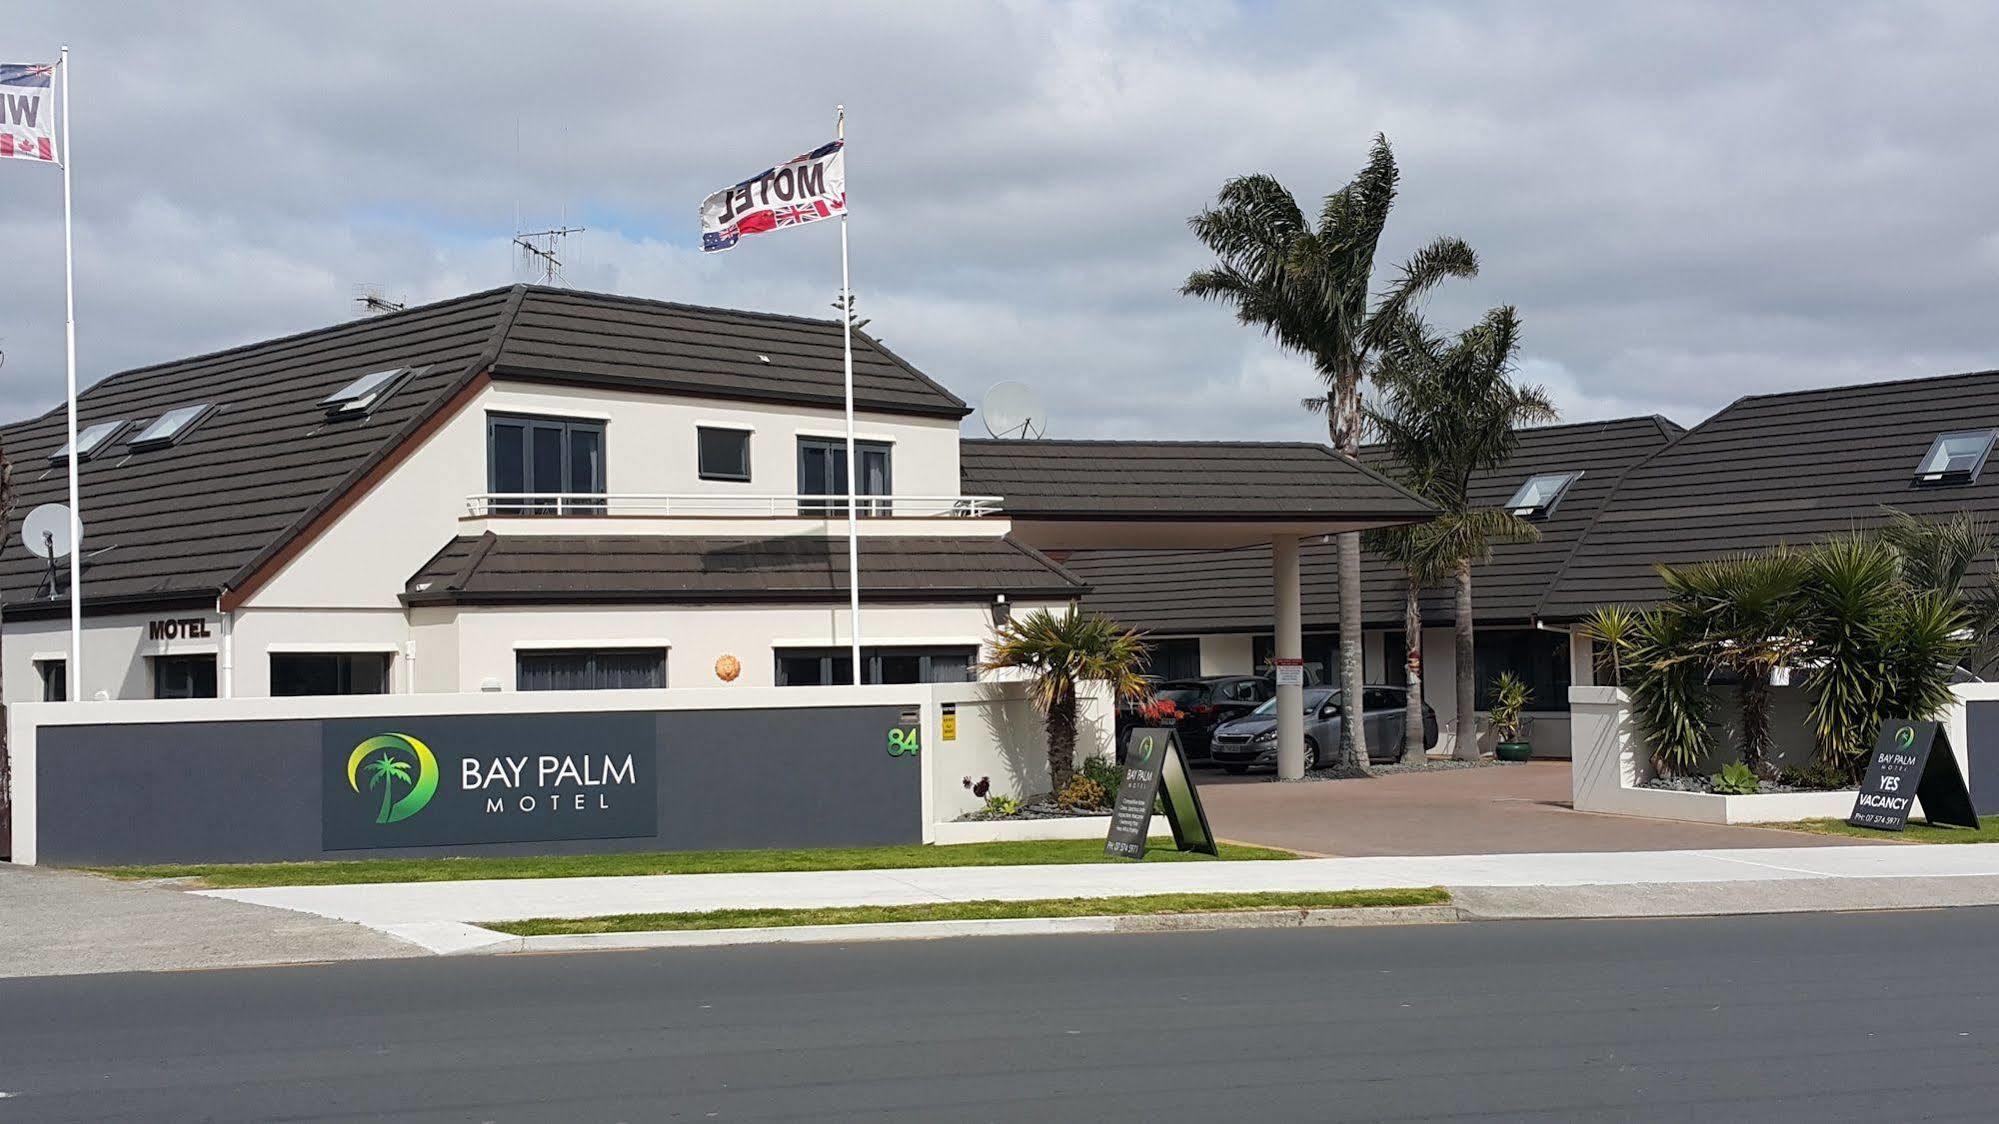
<point>801,190</point>
<point>27,112</point>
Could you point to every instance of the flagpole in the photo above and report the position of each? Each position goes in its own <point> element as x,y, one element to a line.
<point>73,674</point>
<point>853,462</point>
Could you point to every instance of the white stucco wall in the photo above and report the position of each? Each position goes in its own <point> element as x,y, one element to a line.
<point>115,653</point>
<point>366,556</point>
<point>1227,655</point>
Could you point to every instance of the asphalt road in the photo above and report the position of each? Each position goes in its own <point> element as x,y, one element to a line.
<point>1858,1016</point>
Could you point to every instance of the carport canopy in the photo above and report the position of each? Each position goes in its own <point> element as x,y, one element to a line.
<point>1136,495</point>
<point>1087,495</point>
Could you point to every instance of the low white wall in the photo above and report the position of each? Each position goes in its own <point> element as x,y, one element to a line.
<point>998,731</point>
<point>1612,759</point>
<point>1001,738</point>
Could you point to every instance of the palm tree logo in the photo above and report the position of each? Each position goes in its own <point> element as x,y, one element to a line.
<point>398,759</point>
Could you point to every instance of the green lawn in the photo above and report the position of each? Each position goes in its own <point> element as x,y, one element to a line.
<point>1040,853</point>
<point>968,911</point>
<point>1917,831</point>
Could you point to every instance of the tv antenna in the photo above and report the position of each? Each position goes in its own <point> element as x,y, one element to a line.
<point>374,301</point>
<point>46,534</point>
<point>538,250</point>
<point>1013,410</point>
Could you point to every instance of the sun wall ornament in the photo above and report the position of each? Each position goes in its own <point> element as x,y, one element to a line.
<point>727,668</point>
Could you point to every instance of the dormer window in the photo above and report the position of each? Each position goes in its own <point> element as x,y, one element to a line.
<point>1537,498</point>
<point>93,440</point>
<point>358,398</point>
<point>170,427</point>
<point>1955,458</point>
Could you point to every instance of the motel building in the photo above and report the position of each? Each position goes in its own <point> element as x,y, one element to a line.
<point>534,489</point>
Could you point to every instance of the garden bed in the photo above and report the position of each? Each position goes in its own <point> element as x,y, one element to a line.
<point>1706,784</point>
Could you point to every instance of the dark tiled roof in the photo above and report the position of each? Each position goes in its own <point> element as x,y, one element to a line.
<point>1201,591</point>
<point>184,519</point>
<point>526,568</point>
<point>1221,480</point>
<point>655,345</point>
<point>183,522</point>
<point>1792,468</point>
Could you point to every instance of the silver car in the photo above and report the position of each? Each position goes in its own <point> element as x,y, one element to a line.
<point>1251,741</point>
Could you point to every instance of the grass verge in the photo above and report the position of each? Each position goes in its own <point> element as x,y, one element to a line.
<point>968,911</point>
<point>1917,831</point>
<point>1034,853</point>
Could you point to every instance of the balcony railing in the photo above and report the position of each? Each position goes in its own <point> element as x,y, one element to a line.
<point>714,506</point>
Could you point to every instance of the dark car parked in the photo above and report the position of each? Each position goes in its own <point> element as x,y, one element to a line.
<point>1251,742</point>
<point>1201,704</point>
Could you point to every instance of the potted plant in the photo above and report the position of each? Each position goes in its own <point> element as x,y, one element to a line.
<point>1509,704</point>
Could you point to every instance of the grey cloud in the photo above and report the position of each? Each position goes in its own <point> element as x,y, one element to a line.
<point>1686,202</point>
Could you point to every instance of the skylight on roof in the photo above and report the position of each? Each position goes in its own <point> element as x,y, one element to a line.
<point>1537,498</point>
<point>170,426</point>
<point>93,440</point>
<point>1956,458</point>
<point>361,395</point>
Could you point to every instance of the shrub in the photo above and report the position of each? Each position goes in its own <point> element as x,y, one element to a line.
<point>1735,779</point>
<point>1107,774</point>
<point>1002,805</point>
<point>1817,775</point>
<point>1082,794</point>
<point>1509,699</point>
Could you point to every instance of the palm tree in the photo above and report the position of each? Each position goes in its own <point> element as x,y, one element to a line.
<point>1310,288</point>
<point>1447,411</point>
<point>385,771</point>
<point>1058,653</point>
<point>1749,612</point>
<point>1414,551</point>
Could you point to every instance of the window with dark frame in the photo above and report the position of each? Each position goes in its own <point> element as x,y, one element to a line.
<point>830,667</point>
<point>184,677</point>
<point>1178,658</point>
<point>593,669</point>
<point>55,679</point>
<point>822,471</point>
<point>93,440</point>
<point>169,428</point>
<point>1955,458</point>
<point>1540,659</point>
<point>722,454</point>
<point>296,674</point>
<point>539,459</point>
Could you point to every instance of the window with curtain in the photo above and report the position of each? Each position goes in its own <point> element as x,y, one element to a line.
<point>1540,659</point>
<point>542,458</point>
<point>828,667</point>
<point>183,677</point>
<point>329,673</point>
<point>822,471</point>
<point>598,669</point>
<point>1176,659</point>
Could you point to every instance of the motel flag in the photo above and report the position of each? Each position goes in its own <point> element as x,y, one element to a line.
<point>27,112</point>
<point>802,190</point>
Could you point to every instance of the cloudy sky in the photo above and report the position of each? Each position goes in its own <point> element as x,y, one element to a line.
<point>1687,202</point>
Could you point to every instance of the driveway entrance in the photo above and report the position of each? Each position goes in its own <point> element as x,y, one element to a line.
<point>1504,809</point>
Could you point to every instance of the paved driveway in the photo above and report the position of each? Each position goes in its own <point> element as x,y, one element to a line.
<point>1505,809</point>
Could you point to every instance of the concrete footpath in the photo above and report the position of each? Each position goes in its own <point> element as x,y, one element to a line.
<point>437,915</point>
<point>61,922</point>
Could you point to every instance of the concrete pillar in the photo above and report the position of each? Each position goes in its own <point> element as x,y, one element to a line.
<point>1290,645</point>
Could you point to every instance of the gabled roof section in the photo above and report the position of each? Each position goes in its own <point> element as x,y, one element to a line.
<point>183,519</point>
<point>1777,468</point>
<point>1208,591</point>
<point>257,476</point>
<point>604,340</point>
<point>1218,480</point>
<point>525,569</point>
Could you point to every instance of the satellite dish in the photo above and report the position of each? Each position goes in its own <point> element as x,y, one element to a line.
<point>1013,409</point>
<point>45,532</point>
